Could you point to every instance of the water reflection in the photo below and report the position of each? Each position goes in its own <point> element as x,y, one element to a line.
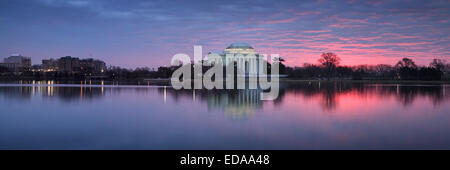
<point>328,93</point>
<point>66,94</point>
<point>236,103</point>
<point>306,115</point>
<point>240,103</point>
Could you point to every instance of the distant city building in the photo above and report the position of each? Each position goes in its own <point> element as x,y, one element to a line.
<point>36,68</point>
<point>70,64</point>
<point>49,65</point>
<point>17,63</point>
<point>92,66</point>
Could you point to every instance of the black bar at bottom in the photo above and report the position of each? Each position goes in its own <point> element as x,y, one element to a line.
<point>195,159</point>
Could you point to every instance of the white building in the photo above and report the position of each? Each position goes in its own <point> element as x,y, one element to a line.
<point>17,63</point>
<point>243,55</point>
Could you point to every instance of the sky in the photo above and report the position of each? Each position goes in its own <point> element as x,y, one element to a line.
<point>142,33</point>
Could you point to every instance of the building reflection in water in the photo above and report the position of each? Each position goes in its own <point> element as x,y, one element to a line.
<point>242,103</point>
<point>238,104</point>
<point>50,90</point>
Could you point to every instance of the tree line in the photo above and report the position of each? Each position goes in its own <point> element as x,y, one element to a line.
<point>328,68</point>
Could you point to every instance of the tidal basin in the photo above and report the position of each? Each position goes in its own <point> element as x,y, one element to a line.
<point>306,115</point>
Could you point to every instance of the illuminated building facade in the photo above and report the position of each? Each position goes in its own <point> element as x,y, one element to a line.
<point>70,64</point>
<point>243,55</point>
<point>49,65</point>
<point>17,63</point>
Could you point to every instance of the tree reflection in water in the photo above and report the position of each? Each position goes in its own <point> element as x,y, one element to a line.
<point>241,103</point>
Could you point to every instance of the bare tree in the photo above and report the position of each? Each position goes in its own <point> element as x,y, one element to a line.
<point>407,69</point>
<point>329,61</point>
<point>406,63</point>
<point>438,64</point>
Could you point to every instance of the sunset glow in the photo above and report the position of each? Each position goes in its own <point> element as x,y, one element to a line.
<point>144,33</point>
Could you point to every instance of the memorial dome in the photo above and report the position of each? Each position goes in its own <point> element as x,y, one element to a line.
<point>239,47</point>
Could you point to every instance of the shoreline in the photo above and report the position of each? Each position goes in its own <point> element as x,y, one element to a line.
<point>373,81</point>
<point>145,82</point>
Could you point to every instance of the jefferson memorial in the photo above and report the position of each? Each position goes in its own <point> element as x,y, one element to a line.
<point>244,55</point>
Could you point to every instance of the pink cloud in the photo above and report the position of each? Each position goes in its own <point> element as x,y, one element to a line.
<point>316,31</point>
<point>398,36</point>
<point>252,29</point>
<point>288,20</point>
<point>308,13</point>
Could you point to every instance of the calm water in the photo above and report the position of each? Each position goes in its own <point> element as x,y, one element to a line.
<point>305,116</point>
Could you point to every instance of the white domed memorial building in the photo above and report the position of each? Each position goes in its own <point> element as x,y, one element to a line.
<point>243,55</point>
